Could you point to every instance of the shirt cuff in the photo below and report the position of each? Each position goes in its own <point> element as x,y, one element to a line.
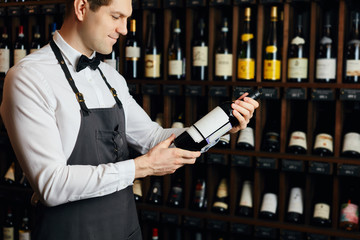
<point>126,170</point>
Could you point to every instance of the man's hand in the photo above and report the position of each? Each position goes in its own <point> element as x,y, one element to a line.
<point>244,108</point>
<point>162,160</point>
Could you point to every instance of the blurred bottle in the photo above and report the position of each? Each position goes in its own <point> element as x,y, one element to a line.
<point>9,177</point>
<point>20,45</point>
<point>349,208</point>
<point>36,40</point>
<point>132,53</point>
<point>246,139</point>
<point>52,30</point>
<point>176,56</point>
<point>113,58</point>
<point>352,52</point>
<point>155,194</point>
<point>4,52</point>
<point>152,51</point>
<point>221,200</point>
<point>322,202</point>
<point>351,130</point>
<point>269,204</point>
<point>176,194</point>
<point>223,55</point>
<point>298,124</point>
<point>245,207</point>
<point>24,229</point>
<point>271,132</point>
<point>199,70</point>
<point>199,196</point>
<point>8,226</point>
<point>295,210</point>
<point>137,189</point>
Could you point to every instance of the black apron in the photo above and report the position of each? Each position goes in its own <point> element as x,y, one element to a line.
<point>101,140</point>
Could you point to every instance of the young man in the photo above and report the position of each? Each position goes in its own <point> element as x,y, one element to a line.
<point>70,121</point>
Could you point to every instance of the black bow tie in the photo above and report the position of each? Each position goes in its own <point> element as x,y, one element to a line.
<point>85,61</point>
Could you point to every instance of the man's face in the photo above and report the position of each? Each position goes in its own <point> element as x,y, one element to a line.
<point>102,28</point>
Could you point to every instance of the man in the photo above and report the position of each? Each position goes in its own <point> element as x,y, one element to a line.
<point>70,126</point>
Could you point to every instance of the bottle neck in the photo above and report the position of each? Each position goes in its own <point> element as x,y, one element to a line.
<point>355,30</point>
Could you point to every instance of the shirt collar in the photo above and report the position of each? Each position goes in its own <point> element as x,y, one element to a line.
<point>69,53</point>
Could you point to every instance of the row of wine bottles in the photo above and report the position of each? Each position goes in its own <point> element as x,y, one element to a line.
<point>269,208</point>
<point>16,230</point>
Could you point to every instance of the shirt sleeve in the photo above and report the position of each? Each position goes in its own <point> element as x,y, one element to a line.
<point>28,111</point>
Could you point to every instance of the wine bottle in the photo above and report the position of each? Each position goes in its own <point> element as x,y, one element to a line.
<point>205,132</point>
<point>323,144</point>
<point>199,70</point>
<point>245,208</point>
<point>271,132</point>
<point>19,47</point>
<point>155,192</point>
<point>113,58</point>
<point>52,30</point>
<point>8,226</point>
<point>351,130</point>
<point>246,57</point>
<point>4,52</point>
<point>246,139</point>
<point>9,177</point>
<point>36,40</point>
<point>152,51</point>
<point>349,208</point>
<point>23,181</point>
<point>269,205</point>
<point>155,234</point>
<point>223,55</point>
<point>326,54</point>
<point>272,58</point>
<point>352,52</point>
<point>199,198</point>
<point>132,53</point>
<point>178,121</point>
<point>297,140</point>
<point>176,194</point>
<point>295,210</point>
<point>137,189</point>
<point>24,229</point>
<point>224,141</point>
<point>322,203</point>
<point>176,55</point>
<point>221,200</point>
<point>298,55</point>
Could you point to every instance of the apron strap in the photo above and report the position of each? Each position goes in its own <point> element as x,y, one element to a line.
<point>112,90</point>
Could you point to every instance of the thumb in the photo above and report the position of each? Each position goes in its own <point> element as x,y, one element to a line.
<point>169,140</point>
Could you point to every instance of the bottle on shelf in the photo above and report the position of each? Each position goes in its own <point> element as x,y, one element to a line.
<point>298,55</point>
<point>205,132</point>
<point>351,130</point>
<point>53,28</point>
<point>176,194</point>
<point>352,52</point>
<point>298,124</point>
<point>272,57</point>
<point>349,206</point>
<point>155,193</point>
<point>24,229</point>
<point>9,177</point>
<point>178,122</point>
<point>246,139</point>
<point>324,130</point>
<point>221,200</point>
<point>113,58</point>
<point>137,189</point>
<point>295,210</point>
<point>223,55</point>
<point>4,52</point>
<point>155,233</point>
<point>224,141</point>
<point>245,208</point>
<point>269,204</point>
<point>20,45</point>
<point>322,202</point>
<point>247,55</point>
<point>271,132</point>
<point>199,196</point>
<point>152,51</point>
<point>326,54</point>
<point>132,52</point>
<point>176,56</point>
<point>199,70</point>
<point>8,226</point>
<point>36,39</point>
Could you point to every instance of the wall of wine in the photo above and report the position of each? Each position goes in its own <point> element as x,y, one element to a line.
<point>292,174</point>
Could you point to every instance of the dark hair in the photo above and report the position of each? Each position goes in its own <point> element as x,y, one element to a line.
<point>94,5</point>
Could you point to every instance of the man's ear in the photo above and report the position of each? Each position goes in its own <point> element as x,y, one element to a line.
<point>80,8</point>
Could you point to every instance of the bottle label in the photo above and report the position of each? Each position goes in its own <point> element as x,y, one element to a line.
<point>8,233</point>
<point>349,213</point>
<point>326,68</point>
<point>111,62</point>
<point>152,66</point>
<point>351,142</point>
<point>297,68</point>
<point>223,65</point>
<point>324,141</point>
<point>297,40</point>
<point>298,138</point>
<point>175,67</point>
<point>177,125</point>
<point>352,68</point>
<point>225,138</point>
<point>222,189</point>
<point>246,68</point>
<point>271,49</point>
<point>200,192</point>
<point>137,187</point>
<point>246,37</point>
<point>200,56</point>
<point>246,136</point>
<point>246,195</point>
<point>18,55</point>
<point>24,235</point>
<point>322,210</point>
<point>269,203</point>
<point>296,201</point>
<point>272,69</point>
<point>211,127</point>
<point>4,60</point>
<point>132,53</point>
<point>10,174</point>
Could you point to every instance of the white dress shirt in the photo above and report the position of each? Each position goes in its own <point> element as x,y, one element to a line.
<point>42,118</point>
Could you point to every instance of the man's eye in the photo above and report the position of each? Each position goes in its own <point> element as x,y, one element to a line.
<point>115,17</point>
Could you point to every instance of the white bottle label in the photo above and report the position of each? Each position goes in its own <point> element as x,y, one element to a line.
<point>4,59</point>
<point>349,213</point>
<point>24,235</point>
<point>296,201</point>
<point>298,138</point>
<point>111,62</point>
<point>223,65</point>
<point>298,40</point>
<point>246,195</point>
<point>8,233</point>
<point>137,187</point>
<point>177,125</point>
<point>152,65</point>
<point>269,203</point>
<point>352,68</point>
<point>225,138</point>
<point>322,210</point>
<point>175,67</point>
<point>297,68</point>
<point>221,193</point>
<point>324,141</point>
<point>326,68</point>
<point>247,136</point>
<point>132,53</point>
<point>351,142</point>
<point>18,55</point>
<point>10,174</point>
<point>200,56</point>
